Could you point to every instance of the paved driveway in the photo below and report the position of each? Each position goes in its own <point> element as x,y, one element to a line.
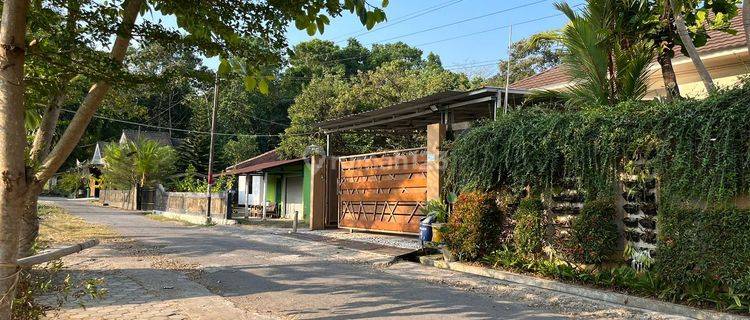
<point>266,272</point>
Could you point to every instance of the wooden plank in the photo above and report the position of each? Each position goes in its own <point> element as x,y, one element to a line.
<point>402,208</point>
<point>415,182</point>
<point>398,224</point>
<point>384,161</point>
<point>420,168</point>
<point>384,197</point>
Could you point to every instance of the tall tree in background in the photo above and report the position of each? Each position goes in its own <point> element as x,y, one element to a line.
<point>529,57</point>
<point>334,95</point>
<point>212,27</point>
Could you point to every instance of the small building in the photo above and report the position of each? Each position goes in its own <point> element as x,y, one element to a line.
<point>272,187</point>
<point>163,138</point>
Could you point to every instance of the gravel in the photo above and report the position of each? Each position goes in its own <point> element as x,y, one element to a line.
<point>398,241</point>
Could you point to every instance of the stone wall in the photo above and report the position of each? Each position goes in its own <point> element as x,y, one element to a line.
<point>123,199</point>
<point>191,203</point>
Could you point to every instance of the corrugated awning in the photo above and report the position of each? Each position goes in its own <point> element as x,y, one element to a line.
<point>416,114</point>
<point>262,166</point>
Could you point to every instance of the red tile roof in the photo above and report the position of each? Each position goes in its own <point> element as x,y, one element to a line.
<point>718,41</point>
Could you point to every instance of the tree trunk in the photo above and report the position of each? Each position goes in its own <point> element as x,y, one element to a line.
<point>13,142</point>
<point>668,75</point>
<point>93,99</point>
<point>746,21</point>
<point>29,228</point>
<point>687,43</point>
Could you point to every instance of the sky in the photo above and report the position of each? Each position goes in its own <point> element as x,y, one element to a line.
<point>459,31</point>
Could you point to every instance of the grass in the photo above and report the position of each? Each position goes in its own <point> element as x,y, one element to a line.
<point>58,227</point>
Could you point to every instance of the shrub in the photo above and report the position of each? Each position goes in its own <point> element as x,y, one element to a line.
<point>70,182</point>
<point>528,235</point>
<point>700,247</point>
<point>593,233</point>
<point>475,226</point>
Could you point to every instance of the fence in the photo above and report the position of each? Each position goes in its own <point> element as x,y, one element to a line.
<point>192,203</point>
<point>157,199</point>
<point>123,199</point>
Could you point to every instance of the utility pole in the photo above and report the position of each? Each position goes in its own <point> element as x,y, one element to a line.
<point>211,148</point>
<point>507,72</point>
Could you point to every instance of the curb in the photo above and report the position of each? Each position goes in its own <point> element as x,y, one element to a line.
<point>585,292</point>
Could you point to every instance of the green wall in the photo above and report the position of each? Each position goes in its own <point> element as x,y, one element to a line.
<point>275,183</point>
<point>306,188</point>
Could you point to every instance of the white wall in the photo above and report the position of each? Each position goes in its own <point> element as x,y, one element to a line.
<point>254,194</point>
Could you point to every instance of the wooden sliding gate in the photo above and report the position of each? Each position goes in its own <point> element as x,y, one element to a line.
<point>383,191</point>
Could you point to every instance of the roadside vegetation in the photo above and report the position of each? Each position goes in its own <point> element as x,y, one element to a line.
<point>58,228</point>
<point>596,186</point>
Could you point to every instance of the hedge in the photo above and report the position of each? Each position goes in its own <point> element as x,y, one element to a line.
<point>699,149</point>
<point>710,247</point>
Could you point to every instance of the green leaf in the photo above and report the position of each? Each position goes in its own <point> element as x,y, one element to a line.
<point>263,86</point>
<point>250,83</point>
<point>224,67</point>
<point>321,26</point>
<point>311,29</point>
<point>385,3</point>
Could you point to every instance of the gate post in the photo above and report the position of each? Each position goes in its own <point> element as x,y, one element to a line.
<point>435,158</point>
<point>318,187</point>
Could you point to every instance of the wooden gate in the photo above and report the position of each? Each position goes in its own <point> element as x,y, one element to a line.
<point>383,191</point>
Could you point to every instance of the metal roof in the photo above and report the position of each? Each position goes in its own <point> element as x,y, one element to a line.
<point>258,167</point>
<point>458,106</point>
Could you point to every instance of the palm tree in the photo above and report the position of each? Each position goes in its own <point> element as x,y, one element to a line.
<point>140,163</point>
<point>607,61</point>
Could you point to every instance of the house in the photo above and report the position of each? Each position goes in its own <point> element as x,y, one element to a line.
<point>163,138</point>
<point>725,56</point>
<point>381,191</point>
<point>272,187</point>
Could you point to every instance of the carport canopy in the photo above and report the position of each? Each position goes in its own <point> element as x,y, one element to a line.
<point>453,108</point>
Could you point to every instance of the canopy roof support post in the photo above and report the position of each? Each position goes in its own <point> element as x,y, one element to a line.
<point>328,144</point>
<point>435,158</point>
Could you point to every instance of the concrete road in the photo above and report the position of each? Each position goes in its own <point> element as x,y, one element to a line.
<point>263,271</point>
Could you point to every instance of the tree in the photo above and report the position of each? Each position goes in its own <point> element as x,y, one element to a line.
<point>333,96</point>
<point>687,22</point>
<point>607,64</point>
<point>214,28</point>
<point>529,57</point>
<point>242,148</point>
<point>141,163</point>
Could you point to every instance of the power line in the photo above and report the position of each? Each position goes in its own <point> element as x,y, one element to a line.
<point>396,21</point>
<point>329,61</point>
<point>186,130</point>
<point>462,21</point>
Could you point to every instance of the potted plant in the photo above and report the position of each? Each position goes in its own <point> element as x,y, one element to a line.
<point>439,210</point>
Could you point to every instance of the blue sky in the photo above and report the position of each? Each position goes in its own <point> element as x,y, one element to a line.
<point>474,55</point>
<point>471,54</point>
